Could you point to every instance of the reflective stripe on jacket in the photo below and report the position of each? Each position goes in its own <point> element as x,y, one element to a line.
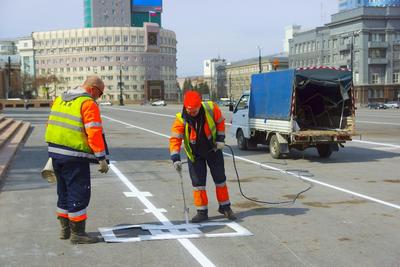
<point>74,129</point>
<point>214,129</point>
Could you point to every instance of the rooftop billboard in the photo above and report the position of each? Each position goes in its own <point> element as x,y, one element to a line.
<point>147,3</point>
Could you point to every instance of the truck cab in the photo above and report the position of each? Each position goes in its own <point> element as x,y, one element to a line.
<point>240,121</point>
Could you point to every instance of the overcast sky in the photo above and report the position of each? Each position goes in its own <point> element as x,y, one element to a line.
<point>231,29</point>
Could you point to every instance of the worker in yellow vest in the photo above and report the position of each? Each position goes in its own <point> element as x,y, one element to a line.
<point>75,137</point>
<point>202,128</point>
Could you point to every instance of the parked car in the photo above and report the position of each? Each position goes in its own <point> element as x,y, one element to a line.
<point>159,103</point>
<point>105,103</point>
<point>225,102</point>
<point>376,106</point>
<point>392,104</point>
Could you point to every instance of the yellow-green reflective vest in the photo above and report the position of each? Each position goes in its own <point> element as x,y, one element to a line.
<point>209,111</point>
<point>65,126</point>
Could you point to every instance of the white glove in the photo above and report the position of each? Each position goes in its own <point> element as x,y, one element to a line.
<point>220,145</point>
<point>103,168</point>
<point>178,166</point>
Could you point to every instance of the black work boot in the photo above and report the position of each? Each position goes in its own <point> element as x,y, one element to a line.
<point>202,215</point>
<point>79,236</point>
<point>227,212</point>
<point>65,229</point>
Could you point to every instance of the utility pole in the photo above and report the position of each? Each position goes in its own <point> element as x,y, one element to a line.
<point>211,79</point>
<point>230,87</point>
<point>351,55</point>
<point>121,100</point>
<point>259,59</point>
<point>9,77</point>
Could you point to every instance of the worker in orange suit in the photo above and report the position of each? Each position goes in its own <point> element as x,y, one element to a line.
<point>202,128</point>
<point>75,137</point>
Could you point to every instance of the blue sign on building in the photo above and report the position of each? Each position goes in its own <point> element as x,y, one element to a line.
<point>147,3</point>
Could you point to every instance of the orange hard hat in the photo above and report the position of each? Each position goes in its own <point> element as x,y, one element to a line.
<point>192,99</point>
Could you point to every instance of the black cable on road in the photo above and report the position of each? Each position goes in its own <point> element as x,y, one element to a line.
<point>262,201</point>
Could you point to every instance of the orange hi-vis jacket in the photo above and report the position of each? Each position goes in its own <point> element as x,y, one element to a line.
<point>178,130</point>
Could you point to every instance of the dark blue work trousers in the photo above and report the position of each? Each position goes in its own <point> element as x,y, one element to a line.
<point>198,168</point>
<point>73,184</point>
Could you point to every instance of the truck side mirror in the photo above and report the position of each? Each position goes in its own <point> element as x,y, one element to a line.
<point>231,106</point>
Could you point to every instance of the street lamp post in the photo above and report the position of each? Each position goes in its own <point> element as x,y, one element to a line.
<point>121,100</point>
<point>211,79</point>
<point>352,58</point>
<point>230,87</point>
<point>9,78</point>
<point>259,59</point>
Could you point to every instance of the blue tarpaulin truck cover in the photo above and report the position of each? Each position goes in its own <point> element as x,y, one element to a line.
<point>271,93</point>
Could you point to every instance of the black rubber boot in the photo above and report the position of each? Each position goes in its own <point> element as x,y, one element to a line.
<point>202,215</point>
<point>227,212</point>
<point>79,236</point>
<point>65,229</point>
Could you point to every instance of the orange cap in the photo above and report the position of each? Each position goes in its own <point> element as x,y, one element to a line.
<point>192,99</point>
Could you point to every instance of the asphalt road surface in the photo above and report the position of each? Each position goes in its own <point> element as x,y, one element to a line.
<point>350,217</point>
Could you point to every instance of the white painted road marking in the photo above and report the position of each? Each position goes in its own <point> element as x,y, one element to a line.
<point>192,249</point>
<point>280,170</point>
<point>376,143</point>
<point>378,122</point>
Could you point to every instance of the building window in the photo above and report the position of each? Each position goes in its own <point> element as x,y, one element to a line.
<point>377,37</point>
<point>375,78</point>
<point>141,40</point>
<point>108,39</point>
<point>396,77</point>
<point>356,77</point>
<point>377,53</point>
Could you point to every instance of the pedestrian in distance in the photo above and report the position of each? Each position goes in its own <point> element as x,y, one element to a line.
<point>26,104</point>
<point>201,126</point>
<point>75,138</point>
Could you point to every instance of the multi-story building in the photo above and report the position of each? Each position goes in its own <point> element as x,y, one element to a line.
<point>121,13</point>
<point>351,4</point>
<point>7,47</point>
<point>211,75</point>
<point>25,50</point>
<point>238,74</point>
<point>289,32</point>
<point>366,40</point>
<point>142,59</point>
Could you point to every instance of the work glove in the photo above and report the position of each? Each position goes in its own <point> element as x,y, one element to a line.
<point>178,166</point>
<point>103,168</point>
<point>220,145</point>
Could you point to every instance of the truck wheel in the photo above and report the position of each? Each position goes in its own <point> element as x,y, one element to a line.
<point>274,147</point>
<point>324,150</point>
<point>241,140</point>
